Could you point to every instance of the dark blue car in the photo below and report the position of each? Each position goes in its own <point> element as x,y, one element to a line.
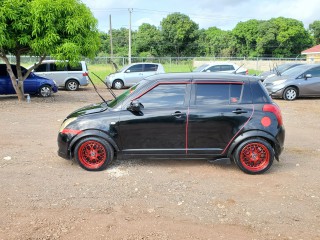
<point>32,85</point>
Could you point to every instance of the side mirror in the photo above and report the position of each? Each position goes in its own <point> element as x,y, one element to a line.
<point>135,106</point>
<point>127,71</point>
<point>307,76</point>
<point>208,71</point>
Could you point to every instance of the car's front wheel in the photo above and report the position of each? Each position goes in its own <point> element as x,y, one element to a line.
<point>254,156</point>
<point>72,85</point>
<point>118,84</point>
<point>45,91</point>
<point>290,93</point>
<point>93,154</point>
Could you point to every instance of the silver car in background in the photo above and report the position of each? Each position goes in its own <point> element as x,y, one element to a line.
<point>132,74</point>
<point>299,81</point>
<point>67,76</point>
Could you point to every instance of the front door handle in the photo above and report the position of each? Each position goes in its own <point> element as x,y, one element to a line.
<point>239,111</point>
<point>177,114</point>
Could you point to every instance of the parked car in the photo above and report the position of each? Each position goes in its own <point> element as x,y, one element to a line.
<point>278,70</point>
<point>132,74</point>
<point>300,81</point>
<point>33,84</point>
<point>66,76</point>
<point>182,115</point>
<point>222,67</point>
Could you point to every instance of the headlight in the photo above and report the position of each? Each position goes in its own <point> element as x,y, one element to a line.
<point>55,83</point>
<point>279,82</point>
<point>66,123</point>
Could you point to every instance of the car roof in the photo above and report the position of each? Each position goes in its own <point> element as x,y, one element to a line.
<point>201,76</point>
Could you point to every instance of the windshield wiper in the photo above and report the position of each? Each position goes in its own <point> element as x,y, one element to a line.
<point>112,93</point>
<point>94,86</point>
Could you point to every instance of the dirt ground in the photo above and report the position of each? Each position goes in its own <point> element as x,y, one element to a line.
<point>46,197</point>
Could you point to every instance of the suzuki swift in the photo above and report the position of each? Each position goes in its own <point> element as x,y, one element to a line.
<point>183,115</point>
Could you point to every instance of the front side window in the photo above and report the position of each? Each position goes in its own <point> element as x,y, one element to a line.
<point>164,95</point>
<point>212,94</point>
<point>227,67</point>
<point>135,68</point>
<point>315,72</point>
<point>213,69</point>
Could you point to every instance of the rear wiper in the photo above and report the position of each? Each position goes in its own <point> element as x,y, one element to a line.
<point>112,93</point>
<point>94,86</point>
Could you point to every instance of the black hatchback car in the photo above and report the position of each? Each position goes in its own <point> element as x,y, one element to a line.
<point>182,115</point>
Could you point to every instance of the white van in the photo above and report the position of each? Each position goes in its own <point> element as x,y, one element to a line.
<point>69,77</point>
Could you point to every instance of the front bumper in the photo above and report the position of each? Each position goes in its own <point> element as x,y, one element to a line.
<point>275,90</point>
<point>63,146</point>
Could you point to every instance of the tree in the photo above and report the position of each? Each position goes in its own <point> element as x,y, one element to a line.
<point>179,34</point>
<point>315,30</point>
<point>148,40</point>
<point>246,34</point>
<point>63,29</point>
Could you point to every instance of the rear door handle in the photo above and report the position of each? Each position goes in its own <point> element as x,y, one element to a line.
<point>239,111</point>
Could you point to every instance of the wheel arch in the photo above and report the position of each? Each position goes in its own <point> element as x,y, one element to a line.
<point>92,133</point>
<point>254,134</point>
<point>292,86</point>
<point>71,79</point>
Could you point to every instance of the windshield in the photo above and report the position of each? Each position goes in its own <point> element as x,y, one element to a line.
<point>123,96</point>
<point>201,68</point>
<point>295,71</point>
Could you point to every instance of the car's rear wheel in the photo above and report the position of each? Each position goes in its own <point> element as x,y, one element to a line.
<point>93,154</point>
<point>72,85</point>
<point>290,93</point>
<point>254,156</point>
<point>45,91</point>
<point>118,84</point>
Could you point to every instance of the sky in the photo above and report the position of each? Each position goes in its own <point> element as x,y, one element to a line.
<point>224,14</point>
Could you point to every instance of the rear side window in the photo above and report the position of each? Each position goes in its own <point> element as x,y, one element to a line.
<point>41,68</point>
<point>77,67</point>
<point>211,94</point>
<point>150,67</point>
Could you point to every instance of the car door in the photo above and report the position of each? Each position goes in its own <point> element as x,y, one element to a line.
<point>217,112</point>
<point>160,127</point>
<point>133,74</point>
<point>310,86</point>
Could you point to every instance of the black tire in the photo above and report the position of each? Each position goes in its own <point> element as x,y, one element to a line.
<point>254,156</point>
<point>72,85</point>
<point>290,93</point>
<point>117,84</point>
<point>93,154</point>
<point>45,91</point>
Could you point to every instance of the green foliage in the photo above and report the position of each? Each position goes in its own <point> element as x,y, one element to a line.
<point>179,33</point>
<point>63,29</point>
<point>315,31</point>
<point>148,40</point>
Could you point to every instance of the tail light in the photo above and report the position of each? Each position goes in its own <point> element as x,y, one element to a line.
<point>275,110</point>
<point>85,74</point>
<point>247,72</point>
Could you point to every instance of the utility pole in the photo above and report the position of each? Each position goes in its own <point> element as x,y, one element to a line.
<point>110,31</point>
<point>129,55</point>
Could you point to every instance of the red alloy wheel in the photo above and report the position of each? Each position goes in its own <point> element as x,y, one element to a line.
<point>255,157</point>
<point>92,154</point>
